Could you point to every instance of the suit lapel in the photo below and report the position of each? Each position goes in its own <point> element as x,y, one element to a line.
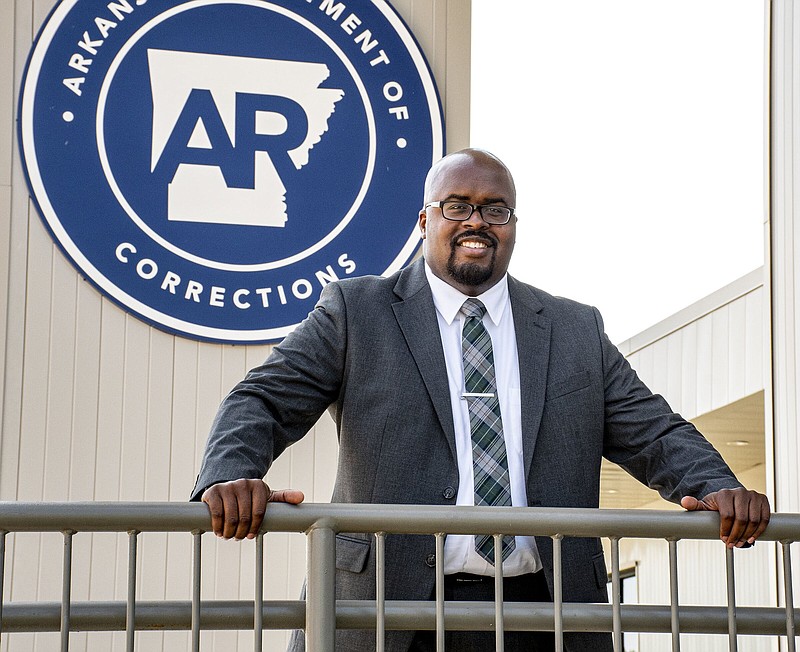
<point>416,315</point>
<point>533,349</point>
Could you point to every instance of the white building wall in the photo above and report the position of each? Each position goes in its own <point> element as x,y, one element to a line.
<point>703,358</point>
<point>710,354</point>
<point>97,405</point>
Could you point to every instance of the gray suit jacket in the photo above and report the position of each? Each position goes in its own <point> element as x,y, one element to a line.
<point>371,353</point>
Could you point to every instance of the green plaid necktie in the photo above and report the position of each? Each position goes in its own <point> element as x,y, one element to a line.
<point>489,460</point>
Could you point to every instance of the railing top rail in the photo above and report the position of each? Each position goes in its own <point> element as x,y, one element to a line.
<point>411,519</point>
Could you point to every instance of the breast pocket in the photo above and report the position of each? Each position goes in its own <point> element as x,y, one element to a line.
<point>568,385</point>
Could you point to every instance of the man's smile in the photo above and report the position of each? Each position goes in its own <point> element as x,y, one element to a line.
<point>474,241</point>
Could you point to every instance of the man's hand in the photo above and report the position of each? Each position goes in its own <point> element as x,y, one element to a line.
<point>743,514</point>
<point>237,507</point>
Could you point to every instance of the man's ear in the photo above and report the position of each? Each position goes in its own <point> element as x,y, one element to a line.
<point>423,219</point>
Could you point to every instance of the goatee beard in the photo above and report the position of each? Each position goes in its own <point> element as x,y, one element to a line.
<point>470,274</point>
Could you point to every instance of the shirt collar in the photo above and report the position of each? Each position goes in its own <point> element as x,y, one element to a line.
<point>448,300</point>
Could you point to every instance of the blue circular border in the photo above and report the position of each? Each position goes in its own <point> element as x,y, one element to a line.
<point>109,286</point>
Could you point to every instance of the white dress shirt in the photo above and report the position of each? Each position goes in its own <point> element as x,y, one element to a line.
<point>460,555</point>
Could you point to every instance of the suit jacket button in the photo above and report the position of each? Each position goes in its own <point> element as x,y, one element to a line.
<point>430,560</point>
<point>449,492</point>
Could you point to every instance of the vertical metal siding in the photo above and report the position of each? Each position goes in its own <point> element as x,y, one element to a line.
<point>96,405</point>
<point>710,361</point>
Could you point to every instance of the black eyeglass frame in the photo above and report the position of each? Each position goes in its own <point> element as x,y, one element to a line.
<point>474,207</point>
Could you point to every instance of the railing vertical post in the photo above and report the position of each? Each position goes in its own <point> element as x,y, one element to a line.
<point>196,568</point>
<point>616,615</point>
<point>440,592</point>
<point>558,598</point>
<point>130,611</point>
<point>321,590</point>
<point>732,631</point>
<point>788,593</point>
<point>3,534</point>
<point>675,624</point>
<point>258,599</point>
<point>380,591</point>
<point>499,621</point>
<point>66,586</point>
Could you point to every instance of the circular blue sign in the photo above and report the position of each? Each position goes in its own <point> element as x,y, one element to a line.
<point>210,165</point>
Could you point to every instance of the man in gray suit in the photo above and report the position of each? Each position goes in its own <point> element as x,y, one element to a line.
<point>384,355</point>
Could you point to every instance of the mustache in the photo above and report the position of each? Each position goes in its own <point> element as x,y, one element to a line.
<point>483,236</point>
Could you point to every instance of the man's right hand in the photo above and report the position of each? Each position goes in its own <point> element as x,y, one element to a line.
<point>237,507</point>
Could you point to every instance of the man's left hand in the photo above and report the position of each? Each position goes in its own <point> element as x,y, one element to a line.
<point>743,514</point>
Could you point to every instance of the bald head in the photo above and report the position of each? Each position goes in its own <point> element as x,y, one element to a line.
<point>470,156</point>
<point>470,254</point>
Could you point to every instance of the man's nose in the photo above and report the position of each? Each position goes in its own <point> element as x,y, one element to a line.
<point>475,221</point>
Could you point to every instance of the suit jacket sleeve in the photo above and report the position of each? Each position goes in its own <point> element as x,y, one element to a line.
<point>278,402</point>
<point>655,445</point>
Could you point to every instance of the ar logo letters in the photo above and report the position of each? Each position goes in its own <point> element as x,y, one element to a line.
<point>227,129</point>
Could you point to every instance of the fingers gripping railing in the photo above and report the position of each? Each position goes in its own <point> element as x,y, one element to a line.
<point>321,614</point>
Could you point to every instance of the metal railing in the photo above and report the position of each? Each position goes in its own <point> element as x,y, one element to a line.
<point>321,614</point>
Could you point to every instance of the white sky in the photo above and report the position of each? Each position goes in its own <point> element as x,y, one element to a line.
<point>635,133</point>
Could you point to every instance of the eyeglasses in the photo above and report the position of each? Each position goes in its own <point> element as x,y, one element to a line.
<point>460,211</point>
